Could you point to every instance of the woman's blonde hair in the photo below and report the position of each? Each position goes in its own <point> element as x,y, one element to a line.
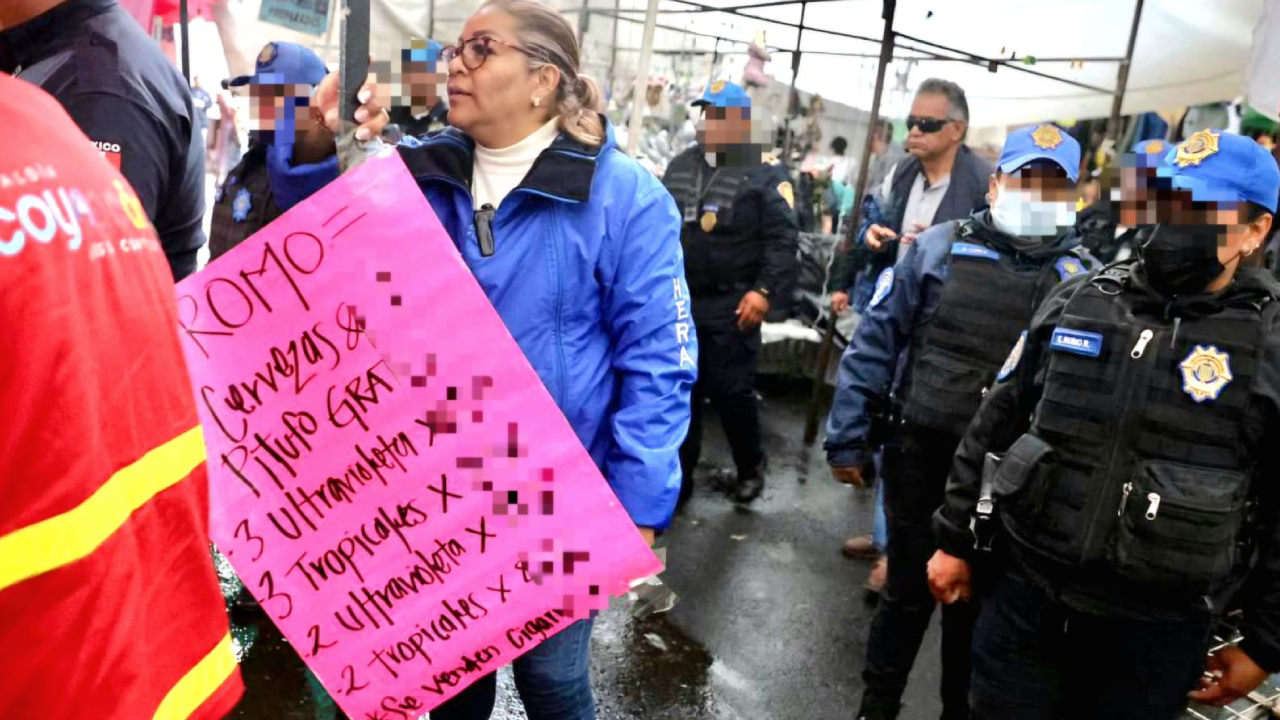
<point>544,31</point>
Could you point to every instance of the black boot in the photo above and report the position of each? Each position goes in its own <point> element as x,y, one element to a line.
<point>748,490</point>
<point>873,708</point>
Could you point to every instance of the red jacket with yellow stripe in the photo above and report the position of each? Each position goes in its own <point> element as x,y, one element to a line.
<point>109,607</point>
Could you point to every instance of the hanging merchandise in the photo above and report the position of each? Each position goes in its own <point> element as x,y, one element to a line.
<point>754,74</point>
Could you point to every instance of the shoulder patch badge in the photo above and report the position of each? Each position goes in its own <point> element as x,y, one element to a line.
<point>1015,357</point>
<point>1205,372</point>
<point>965,249</point>
<point>1068,266</point>
<point>784,189</point>
<point>241,205</point>
<point>884,285</point>
<point>1080,342</point>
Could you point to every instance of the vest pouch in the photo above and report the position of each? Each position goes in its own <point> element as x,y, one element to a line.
<point>945,391</point>
<point>1022,476</point>
<point>1180,525</point>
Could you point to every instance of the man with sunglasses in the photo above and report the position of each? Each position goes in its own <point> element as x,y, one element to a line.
<point>739,237</point>
<point>959,298</point>
<point>940,181</point>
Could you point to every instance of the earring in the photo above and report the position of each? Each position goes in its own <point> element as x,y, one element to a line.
<point>537,101</point>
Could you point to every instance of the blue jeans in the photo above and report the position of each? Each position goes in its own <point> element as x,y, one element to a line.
<point>880,524</point>
<point>554,681</point>
<point>1036,659</point>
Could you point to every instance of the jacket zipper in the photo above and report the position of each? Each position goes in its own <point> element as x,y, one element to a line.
<point>1131,380</point>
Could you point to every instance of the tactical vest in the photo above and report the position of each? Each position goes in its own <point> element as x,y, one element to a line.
<point>986,303</point>
<point>714,249</point>
<point>1134,471</point>
<point>244,205</point>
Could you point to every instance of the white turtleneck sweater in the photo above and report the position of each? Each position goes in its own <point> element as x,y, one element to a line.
<point>497,172</point>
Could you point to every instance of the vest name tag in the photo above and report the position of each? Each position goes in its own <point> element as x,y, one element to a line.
<point>965,249</point>
<point>1079,342</point>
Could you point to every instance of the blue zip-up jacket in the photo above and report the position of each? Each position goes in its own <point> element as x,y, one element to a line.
<point>876,364</point>
<point>587,272</point>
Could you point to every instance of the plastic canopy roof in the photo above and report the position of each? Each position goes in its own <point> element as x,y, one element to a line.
<point>1188,52</point>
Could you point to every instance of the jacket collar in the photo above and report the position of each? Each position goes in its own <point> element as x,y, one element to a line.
<point>563,171</point>
<point>28,43</point>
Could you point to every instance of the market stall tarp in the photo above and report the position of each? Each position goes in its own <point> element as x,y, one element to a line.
<point>1264,64</point>
<point>1188,52</point>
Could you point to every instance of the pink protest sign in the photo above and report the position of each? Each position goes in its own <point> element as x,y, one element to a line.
<point>389,477</point>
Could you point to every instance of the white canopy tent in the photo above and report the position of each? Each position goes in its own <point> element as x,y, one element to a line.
<point>1188,52</point>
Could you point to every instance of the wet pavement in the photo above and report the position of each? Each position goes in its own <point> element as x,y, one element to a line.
<point>771,621</point>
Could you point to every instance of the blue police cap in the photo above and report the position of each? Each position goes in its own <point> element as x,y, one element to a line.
<point>1218,166</point>
<point>1150,153</point>
<point>724,94</point>
<point>420,51</point>
<point>284,62</point>
<point>1043,142</point>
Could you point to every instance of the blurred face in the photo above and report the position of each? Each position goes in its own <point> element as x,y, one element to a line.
<point>420,85</point>
<point>729,137</point>
<point>722,128</point>
<point>491,85</point>
<point>1198,246</point>
<point>281,113</point>
<point>932,134</point>
<point>1037,200</point>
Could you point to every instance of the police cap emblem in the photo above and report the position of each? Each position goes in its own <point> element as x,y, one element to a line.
<point>1196,148</point>
<point>1155,146</point>
<point>268,54</point>
<point>1047,137</point>
<point>1205,372</point>
<point>717,86</point>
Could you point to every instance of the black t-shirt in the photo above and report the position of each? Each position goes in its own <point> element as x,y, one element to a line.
<point>122,91</point>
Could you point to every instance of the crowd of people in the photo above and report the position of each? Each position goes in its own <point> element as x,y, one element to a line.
<point>1070,453</point>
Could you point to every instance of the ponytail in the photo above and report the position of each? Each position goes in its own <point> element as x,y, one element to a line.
<point>580,106</point>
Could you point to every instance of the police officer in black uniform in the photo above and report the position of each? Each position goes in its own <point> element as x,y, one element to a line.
<point>127,97</point>
<point>1130,459</point>
<point>946,314</point>
<point>246,202</point>
<point>740,239</point>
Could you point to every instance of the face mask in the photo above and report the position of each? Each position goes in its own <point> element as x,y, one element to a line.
<point>1018,213</point>
<point>1182,259</point>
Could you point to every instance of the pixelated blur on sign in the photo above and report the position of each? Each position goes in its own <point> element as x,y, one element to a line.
<point>388,475</point>
<point>308,16</point>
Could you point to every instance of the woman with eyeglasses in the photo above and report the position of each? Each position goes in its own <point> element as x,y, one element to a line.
<point>578,249</point>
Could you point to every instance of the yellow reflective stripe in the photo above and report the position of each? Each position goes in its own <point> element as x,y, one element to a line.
<point>199,683</point>
<point>62,539</point>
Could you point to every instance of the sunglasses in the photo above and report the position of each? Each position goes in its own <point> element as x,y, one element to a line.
<point>926,124</point>
<point>476,50</point>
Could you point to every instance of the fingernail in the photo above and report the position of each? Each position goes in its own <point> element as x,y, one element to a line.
<point>361,115</point>
<point>364,96</point>
<point>362,134</point>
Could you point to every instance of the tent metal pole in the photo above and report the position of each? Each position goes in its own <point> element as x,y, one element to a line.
<point>864,165</point>
<point>791,94</point>
<point>642,81</point>
<point>1122,77</point>
<point>185,20</point>
<point>431,19</point>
